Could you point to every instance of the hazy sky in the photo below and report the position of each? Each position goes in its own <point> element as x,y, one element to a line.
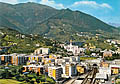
<point>106,10</point>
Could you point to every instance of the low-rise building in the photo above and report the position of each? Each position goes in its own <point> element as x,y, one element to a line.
<point>74,59</point>
<point>104,64</point>
<point>115,69</point>
<point>101,77</point>
<point>107,53</point>
<point>33,67</point>
<point>42,51</point>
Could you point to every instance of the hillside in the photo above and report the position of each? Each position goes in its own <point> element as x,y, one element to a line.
<point>33,18</point>
<point>21,43</point>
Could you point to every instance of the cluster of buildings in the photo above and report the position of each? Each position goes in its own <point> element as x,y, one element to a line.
<point>58,67</point>
<point>106,69</point>
<point>42,62</point>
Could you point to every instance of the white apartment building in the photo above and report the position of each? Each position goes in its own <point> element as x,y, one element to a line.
<point>69,70</point>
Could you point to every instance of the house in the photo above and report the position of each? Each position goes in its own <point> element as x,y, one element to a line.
<point>104,64</point>
<point>107,53</point>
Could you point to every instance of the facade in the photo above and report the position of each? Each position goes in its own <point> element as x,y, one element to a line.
<point>5,59</point>
<point>107,53</point>
<point>115,68</point>
<point>69,70</point>
<point>80,69</point>
<point>15,59</point>
<point>104,64</point>
<point>35,68</point>
<point>105,70</point>
<point>55,72</point>
<point>42,51</point>
<point>74,59</point>
<point>74,49</point>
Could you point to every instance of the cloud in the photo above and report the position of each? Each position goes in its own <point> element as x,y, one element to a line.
<point>31,0</point>
<point>92,4</point>
<point>52,3</point>
<point>106,5</point>
<point>9,1</point>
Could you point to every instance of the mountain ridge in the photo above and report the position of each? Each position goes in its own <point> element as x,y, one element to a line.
<point>33,18</point>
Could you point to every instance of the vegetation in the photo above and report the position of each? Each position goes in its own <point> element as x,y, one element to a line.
<point>9,81</point>
<point>115,56</point>
<point>12,73</point>
<point>21,43</point>
<point>87,58</point>
<point>100,43</point>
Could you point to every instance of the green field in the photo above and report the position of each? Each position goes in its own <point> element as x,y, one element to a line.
<point>87,58</point>
<point>9,81</point>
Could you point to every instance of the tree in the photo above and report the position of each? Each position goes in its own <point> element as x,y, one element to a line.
<point>88,52</point>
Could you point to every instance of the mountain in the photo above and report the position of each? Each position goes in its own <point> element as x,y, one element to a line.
<point>114,24</point>
<point>33,18</point>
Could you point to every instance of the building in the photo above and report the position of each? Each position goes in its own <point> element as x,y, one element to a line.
<point>101,77</point>
<point>58,61</point>
<point>74,59</point>
<point>5,59</point>
<point>42,51</point>
<point>116,61</point>
<point>107,53</point>
<point>104,64</point>
<point>18,59</point>
<point>105,70</point>
<point>80,69</point>
<point>36,68</point>
<point>55,72</point>
<point>72,48</point>
<point>94,61</point>
<point>48,60</point>
<point>115,69</point>
<point>69,70</point>
<point>15,59</point>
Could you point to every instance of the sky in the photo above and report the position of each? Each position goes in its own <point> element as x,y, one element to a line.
<point>105,10</point>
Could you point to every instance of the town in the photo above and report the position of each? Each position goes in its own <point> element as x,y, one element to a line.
<point>79,67</point>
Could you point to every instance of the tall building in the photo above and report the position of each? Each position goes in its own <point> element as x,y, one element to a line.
<point>55,72</point>
<point>69,70</point>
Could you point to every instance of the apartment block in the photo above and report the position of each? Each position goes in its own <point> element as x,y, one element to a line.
<point>55,72</point>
